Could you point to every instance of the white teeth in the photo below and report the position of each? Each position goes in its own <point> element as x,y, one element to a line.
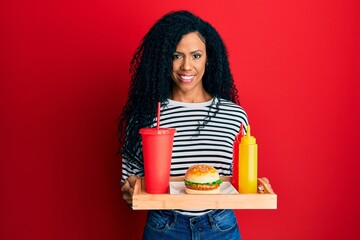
<point>186,77</point>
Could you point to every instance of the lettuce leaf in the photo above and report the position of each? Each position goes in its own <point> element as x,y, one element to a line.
<point>210,183</point>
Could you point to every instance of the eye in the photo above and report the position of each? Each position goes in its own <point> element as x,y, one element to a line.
<point>177,56</point>
<point>196,56</point>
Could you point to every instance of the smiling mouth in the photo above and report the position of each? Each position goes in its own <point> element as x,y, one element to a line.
<point>186,78</point>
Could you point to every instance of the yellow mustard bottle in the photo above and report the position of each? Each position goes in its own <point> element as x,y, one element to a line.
<point>248,163</point>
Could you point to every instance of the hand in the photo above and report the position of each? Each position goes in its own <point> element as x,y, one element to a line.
<point>264,186</point>
<point>128,189</point>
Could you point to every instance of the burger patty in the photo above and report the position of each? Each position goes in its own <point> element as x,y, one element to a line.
<point>202,187</point>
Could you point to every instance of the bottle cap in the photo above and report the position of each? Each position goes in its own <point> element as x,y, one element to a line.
<point>240,135</point>
<point>248,139</point>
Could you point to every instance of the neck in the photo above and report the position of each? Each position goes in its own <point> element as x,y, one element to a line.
<point>193,98</point>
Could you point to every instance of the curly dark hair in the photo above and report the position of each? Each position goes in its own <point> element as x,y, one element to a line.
<point>151,67</point>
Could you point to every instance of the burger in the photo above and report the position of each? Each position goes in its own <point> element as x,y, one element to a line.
<point>202,179</point>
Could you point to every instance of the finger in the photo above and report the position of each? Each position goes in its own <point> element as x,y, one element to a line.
<point>127,199</point>
<point>131,192</point>
<point>260,188</point>
<point>128,192</point>
<point>125,186</point>
<point>265,179</point>
<point>132,180</point>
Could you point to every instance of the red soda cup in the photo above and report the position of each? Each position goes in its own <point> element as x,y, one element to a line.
<point>157,144</point>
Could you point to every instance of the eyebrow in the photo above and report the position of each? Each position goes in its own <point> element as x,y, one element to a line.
<point>198,50</point>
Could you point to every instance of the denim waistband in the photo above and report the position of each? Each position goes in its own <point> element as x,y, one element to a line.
<point>207,219</point>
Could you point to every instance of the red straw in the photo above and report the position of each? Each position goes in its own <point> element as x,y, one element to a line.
<point>158,116</point>
<point>241,131</point>
<point>235,176</point>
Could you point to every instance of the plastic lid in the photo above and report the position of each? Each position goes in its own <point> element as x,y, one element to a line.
<point>248,139</point>
<point>155,131</point>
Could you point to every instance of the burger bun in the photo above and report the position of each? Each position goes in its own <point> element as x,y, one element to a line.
<point>202,179</point>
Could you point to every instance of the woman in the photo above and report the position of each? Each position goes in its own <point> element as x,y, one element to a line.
<point>182,62</point>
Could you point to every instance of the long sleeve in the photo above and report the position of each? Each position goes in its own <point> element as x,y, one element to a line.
<point>132,163</point>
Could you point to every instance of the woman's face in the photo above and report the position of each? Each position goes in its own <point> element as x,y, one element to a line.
<point>189,66</point>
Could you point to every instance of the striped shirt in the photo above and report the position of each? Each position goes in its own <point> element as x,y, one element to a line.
<point>205,134</point>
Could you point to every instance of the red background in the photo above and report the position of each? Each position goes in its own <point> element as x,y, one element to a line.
<point>64,79</point>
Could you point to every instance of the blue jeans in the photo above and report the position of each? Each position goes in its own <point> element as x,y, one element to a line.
<point>218,224</point>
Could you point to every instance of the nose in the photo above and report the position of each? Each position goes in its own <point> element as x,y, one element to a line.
<point>186,64</point>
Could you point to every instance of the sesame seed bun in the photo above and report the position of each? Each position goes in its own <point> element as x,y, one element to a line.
<point>202,179</point>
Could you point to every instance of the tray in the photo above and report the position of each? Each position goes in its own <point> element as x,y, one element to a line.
<point>146,201</point>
